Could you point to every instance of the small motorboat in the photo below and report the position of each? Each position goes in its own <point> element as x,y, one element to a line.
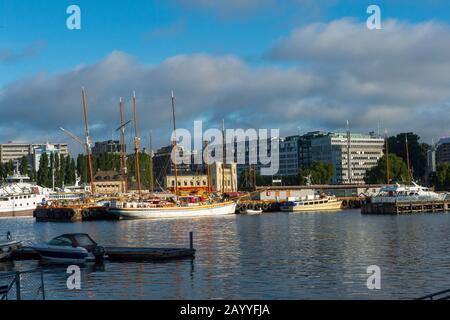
<point>72,248</point>
<point>252,211</point>
<point>8,246</point>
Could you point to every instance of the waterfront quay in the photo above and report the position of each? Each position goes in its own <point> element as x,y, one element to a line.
<point>406,207</point>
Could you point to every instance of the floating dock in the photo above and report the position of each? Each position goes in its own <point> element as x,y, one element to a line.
<point>125,254</point>
<point>406,207</point>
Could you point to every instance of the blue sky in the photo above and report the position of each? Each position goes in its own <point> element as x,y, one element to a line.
<point>153,30</point>
<point>147,34</point>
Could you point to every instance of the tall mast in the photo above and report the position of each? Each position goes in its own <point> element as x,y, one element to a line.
<point>208,167</point>
<point>407,159</point>
<point>136,145</point>
<point>223,156</point>
<point>387,157</point>
<point>123,161</point>
<point>88,140</point>
<point>175,142</point>
<point>151,164</point>
<point>349,163</point>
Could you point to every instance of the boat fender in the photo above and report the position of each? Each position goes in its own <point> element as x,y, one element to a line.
<point>8,236</point>
<point>265,206</point>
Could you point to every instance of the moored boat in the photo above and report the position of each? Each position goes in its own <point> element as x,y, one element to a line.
<point>405,193</point>
<point>73,248</point>
<point>321,203</point>
<point>143,210</point>
<point>8,247</point>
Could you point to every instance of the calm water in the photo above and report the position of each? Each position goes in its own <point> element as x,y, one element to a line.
<point>272,256</point>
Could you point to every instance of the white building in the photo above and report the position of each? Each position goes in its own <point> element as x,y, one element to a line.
<point>49,149</point>
<point>365,151</point>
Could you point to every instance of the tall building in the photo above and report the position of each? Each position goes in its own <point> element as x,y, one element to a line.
<point>365,151</point>
<point>15,151</point>
<point>110,146</point>
<point>443,150</point>
<point>295,152</point>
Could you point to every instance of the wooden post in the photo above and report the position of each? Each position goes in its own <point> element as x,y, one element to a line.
<point>17,280</point>
<point>191,240</point>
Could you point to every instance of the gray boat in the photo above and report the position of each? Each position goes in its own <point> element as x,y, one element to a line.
<point>8,246</point>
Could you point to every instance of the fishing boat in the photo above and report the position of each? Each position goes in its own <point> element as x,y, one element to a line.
<point>316,203</point>
<point>72,248</point>
<point>8,246</point>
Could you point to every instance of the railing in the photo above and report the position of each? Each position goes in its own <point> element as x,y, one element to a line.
<point>441,295</point>
<point>25,285</point>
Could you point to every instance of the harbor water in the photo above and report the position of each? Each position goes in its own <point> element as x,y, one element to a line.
<point>272,256</point>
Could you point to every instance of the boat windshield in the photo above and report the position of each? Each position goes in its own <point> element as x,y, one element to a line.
<point>83,240</point>
<point>60,241</point>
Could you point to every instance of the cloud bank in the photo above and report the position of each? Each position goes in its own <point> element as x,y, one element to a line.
<point>395,78</point>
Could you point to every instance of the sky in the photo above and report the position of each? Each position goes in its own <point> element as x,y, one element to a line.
<point>296,65</point>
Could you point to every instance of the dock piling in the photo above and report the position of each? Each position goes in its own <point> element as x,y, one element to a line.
<point>191,240</point>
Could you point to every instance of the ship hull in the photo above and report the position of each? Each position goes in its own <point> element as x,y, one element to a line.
<point>175,212</point>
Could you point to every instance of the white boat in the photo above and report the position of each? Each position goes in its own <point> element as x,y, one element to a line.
<point>19,197</point>
<point>403,193</point>
<point>319,203</point>
<point>143,210</point>
<point>8,246</point>
<point>73,248</point>
<point>251,211</point>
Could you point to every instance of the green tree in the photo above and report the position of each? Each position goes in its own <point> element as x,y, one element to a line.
<point>398,171</point>
<point>443,176</point>
<point>23,166</point>
<point>43,172</point>
<point>319,173</point>
<point>417,152</point>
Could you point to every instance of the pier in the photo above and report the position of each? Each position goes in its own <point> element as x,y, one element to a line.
<point>406,207</point>
<point>72,214</point>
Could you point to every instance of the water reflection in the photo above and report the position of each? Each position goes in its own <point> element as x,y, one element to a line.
<point>272,256</point>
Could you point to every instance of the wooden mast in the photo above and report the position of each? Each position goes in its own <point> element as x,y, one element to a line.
<point>407,159</point>
<point>174,142</point>
<point>136,145</point>
<point>123,161</point>
<point>208,168</point>
<point>151,164</point>
<point>88,140</point>
<point>223,157</point>
<point>387,158</point>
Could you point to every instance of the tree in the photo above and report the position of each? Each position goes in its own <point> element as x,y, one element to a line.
<point>43,172</point>
<point>398,171</point>
<point>23,167</point>
<point>417,152</point>
<point>318,173</point>
<point>443,175</point>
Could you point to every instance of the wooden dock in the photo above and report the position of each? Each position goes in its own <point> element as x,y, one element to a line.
<point>406,207</point>
<point>125,254</point>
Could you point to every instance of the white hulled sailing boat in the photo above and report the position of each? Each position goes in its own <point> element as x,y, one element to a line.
<point>179,207</point>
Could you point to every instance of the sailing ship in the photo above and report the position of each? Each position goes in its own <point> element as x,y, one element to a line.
<point>178,207</point>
